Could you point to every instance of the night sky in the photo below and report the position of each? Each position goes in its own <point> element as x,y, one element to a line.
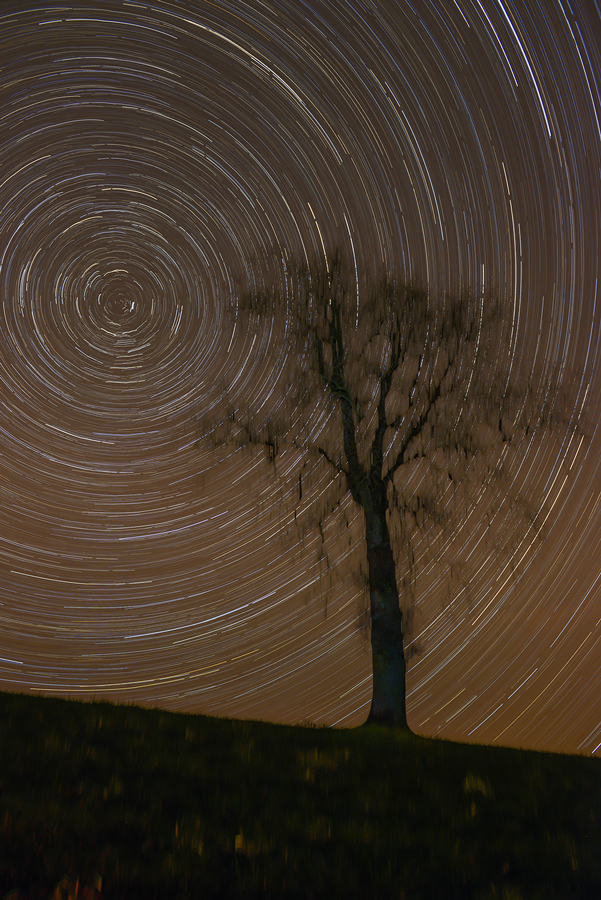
<point>147,152</point>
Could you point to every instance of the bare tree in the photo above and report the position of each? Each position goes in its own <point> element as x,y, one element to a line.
<point>419,400</point>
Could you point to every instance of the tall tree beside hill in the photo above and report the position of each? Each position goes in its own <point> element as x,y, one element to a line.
<point>423,409</point>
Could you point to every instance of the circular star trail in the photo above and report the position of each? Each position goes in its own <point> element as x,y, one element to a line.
<point>149,152</point>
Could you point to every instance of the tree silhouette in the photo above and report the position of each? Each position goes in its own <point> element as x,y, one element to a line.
<point>422,408</point>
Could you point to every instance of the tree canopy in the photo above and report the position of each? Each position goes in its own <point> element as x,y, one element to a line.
<point>415,402</point>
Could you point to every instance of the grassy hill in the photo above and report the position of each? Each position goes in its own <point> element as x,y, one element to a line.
<point>99,800</point>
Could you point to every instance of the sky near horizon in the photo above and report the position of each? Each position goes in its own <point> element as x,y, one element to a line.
<point>147,152</point>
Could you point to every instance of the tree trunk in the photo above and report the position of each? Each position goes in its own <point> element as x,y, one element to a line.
<point>388,698</point>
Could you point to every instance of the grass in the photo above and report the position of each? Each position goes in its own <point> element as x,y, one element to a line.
<point>99,800</point>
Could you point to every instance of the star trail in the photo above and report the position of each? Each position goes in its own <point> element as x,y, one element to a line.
<point>148,152</point>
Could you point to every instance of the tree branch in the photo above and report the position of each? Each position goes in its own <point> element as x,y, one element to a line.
<point>377,447</point>
<point>331,461</point>
<point>419,424</point>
